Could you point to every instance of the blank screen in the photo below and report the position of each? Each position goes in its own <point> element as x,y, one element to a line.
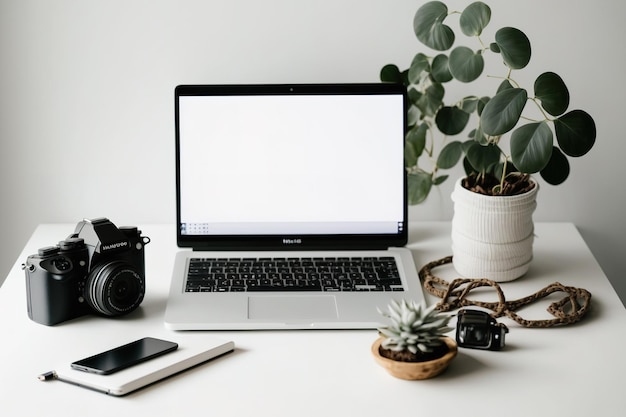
<point>291,164</point>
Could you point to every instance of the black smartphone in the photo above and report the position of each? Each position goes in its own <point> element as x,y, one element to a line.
<point>121,357</point>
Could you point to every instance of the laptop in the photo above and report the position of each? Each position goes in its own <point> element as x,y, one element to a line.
<point>291,207</point>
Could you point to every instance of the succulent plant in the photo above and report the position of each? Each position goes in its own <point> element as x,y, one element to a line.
<point>414,327</point>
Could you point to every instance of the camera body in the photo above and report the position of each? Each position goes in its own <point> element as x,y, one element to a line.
<point>98,269</point>
<point>478,330</point>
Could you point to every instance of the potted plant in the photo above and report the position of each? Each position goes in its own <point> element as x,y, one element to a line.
<point>541,132</point>
<point>414,345</point>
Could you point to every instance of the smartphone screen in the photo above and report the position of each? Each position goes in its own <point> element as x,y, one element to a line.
<point>121,357</point>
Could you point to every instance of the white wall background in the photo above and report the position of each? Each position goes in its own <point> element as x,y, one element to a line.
<point>86,97</point>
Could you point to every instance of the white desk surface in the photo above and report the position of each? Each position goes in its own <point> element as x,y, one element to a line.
<point>570,371</point>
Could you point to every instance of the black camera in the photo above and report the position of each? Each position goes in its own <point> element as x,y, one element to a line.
<point>477,329</point>
<point>97,269</point>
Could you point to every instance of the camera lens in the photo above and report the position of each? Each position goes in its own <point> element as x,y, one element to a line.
<point>476,335</point>
<point>114,288</point>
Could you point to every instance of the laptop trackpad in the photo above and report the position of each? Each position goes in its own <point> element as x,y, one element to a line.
<point>288,308</point>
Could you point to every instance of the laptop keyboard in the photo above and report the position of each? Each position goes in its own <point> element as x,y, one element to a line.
<point>293,274</point>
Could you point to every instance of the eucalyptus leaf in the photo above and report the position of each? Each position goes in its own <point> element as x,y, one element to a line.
<point>451,120</point>
<point>553,93</point>
<point>575,132</point>
<point>498,170</point>
<point>429,28</point>
<point>465,64</point>
<point>413,95</point>
<point>440,70</point>
<point>479,136</point>
<point>419,185</point>
<point>504,85</point>
<point>469,104</point>
<point>514,47</point>
<point>410,155</point>
<point>557,170</point>
<point>419,64</point>
<point>391,73</point>
<point>467,167</point>
<point>482,102</point>
<point>416,139</point>
<point>440,179</point>
<point>503,111</point>
<point>482,157</point>
<point>531,147</point>
<point>450,155</point>
<point>413,115</point>
<point>475,18</point>
<point>432,99</point>
<point>467,145</point>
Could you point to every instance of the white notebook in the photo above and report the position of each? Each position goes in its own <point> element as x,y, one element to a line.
<point>131,379</point>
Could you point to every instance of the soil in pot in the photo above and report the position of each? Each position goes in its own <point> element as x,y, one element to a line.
<point>406,356</point>
<point>487,184</point>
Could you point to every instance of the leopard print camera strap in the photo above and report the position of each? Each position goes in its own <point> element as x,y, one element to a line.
<point>455,294</point>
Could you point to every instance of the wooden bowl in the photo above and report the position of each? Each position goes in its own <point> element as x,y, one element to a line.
<point>416,370</point>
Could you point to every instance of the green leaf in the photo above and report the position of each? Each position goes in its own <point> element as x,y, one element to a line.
<point>465,64</point>
<point>504,85</point>
<point>413,115</point>
<point>467,167</point>
<point>482,102</point>
<point>415,144</point>
<point>479,136</point>
<point>413,95</point>
<point>410,155</point>
<point>429,27</point>
<point>419,185</point>
<point>514,47</point>
<point>498,169</point>
<point>440,179</point>
<point>575,132</point>
<point>440,70</point>
<point>391,73</point>
<point>450,155</point>
<point>467,145</point>
<point>418,66</point>
<point>503,111</point>
<point>475,18</point>
<point>557,169</point>
<point>553,93</point>
<point>482,157</point>
<point>531,147</point>
<point>469,104</point>
<point>451,120</point>
<point>432,100</point>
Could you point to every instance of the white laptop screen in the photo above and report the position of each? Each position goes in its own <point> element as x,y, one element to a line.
<point>292,162</point>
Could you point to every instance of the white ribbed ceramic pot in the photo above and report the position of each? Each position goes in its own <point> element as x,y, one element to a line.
<point>492,236</point>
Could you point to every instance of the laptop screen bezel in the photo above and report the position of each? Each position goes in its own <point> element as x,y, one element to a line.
<point>295,241</point>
